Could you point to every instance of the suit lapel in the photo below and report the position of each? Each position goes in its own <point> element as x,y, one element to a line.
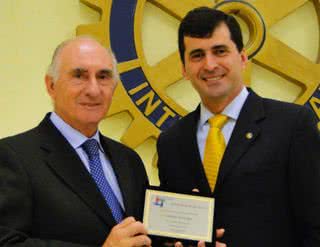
<point>243,136</point>
<point>191,154</point>
<point>66,164</point>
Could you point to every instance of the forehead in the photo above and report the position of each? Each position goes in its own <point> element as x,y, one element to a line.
<point>85,54</point>
<point>220,36</point>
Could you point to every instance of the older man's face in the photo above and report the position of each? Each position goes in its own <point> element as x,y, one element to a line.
<point>83,91</point>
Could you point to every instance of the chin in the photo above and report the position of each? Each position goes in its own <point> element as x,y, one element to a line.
<point>217,95</point>
<point>91,118</point>
<point>94,119</point>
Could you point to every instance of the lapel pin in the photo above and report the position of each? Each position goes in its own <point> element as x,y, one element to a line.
<point>249,135</point>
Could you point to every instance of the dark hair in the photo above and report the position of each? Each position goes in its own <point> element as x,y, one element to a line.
<point>201,23</point>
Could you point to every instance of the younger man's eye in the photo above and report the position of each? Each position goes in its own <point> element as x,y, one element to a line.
<point>220,52</point>
<point>196,56</point>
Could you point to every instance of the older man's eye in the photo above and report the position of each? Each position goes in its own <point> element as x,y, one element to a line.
<point>105,75</point>
<point>77,75</point>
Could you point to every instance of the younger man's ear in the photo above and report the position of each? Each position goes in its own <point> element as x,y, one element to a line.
<point>184,73</point>
<point>244,58</point>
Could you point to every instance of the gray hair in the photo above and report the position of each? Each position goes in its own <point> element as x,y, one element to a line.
<point>53,68</point>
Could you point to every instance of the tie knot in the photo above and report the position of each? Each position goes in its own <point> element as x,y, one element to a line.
<point>91,147</point>
<point>218,121</point>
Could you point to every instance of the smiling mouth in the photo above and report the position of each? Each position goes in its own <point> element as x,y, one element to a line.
<point>90,105</point>
<point>212,79</point>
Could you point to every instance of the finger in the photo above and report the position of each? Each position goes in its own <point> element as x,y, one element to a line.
<point>201,244</point>
<point>218,244</point>
<point>195,190</point>
<point>127,221</point>
<point>140,240</point>
<point>135,228</point>
<point>220,232</point>
<point>178,244</point>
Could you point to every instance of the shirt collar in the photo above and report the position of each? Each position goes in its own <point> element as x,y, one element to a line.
<point>73,136</point>
<point>232,110</point>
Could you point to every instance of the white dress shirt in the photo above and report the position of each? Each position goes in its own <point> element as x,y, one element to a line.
<point>232,111</point>
<point>76,139</point>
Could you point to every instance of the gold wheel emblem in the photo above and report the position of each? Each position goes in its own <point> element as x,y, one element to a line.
<point>142,92</point>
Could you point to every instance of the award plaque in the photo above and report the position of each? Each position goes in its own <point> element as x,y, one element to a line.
<point>179,216</point>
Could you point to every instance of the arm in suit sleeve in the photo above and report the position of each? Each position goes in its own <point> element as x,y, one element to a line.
<point>304,175</point>
<point>162,162</point>
<point>16,206</point>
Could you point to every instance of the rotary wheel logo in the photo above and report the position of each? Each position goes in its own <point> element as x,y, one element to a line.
<point>142,92</point>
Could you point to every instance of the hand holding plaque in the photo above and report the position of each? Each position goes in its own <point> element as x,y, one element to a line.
<point>179,216</point>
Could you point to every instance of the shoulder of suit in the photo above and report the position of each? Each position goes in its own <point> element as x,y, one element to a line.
<point>181,125</point>
<point>23,144</point>
<point>288,113</point>
<point>118,145</point>
<point>25,136</point>
<point>283,107</point>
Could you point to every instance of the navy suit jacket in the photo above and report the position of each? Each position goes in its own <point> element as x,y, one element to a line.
<point>268,187</point>
<point>48,198</point>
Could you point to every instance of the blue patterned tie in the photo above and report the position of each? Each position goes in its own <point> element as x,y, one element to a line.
<point>91,147</point>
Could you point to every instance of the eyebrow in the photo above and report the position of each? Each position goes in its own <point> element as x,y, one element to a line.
<point>106,71</point>
<point>219,47</point>
<point>82,70</point>
<point>215,47</point>
<point>195,51</point>
<point>78,70</point>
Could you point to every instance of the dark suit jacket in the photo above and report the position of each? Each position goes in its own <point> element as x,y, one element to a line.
<point>48,198</point>
<point>268,188</point>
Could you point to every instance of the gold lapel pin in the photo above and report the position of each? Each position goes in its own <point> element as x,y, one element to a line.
<point>249,135</point>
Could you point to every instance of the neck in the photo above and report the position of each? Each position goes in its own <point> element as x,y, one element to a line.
<point>217,104</point>
<point>88,132</point>
<point>87,129</point>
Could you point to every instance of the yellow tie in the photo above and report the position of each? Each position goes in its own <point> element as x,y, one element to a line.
<point>214,149</point>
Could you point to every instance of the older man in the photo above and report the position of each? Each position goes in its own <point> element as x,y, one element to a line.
<point>63,183</point>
